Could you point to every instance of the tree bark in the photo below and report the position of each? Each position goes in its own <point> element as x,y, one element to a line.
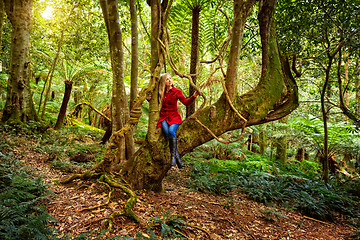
<point>1,22</point>
<point>194,58</point>
<point>64,104</point>
<point>357,86</point>
<point>134,52</point>
<point>262,142</point>
<point>119,104</point>
<point>19,106</point>
<point>281,146</point>
<point>151,162</point>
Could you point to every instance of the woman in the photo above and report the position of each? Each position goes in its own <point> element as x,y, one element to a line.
<point>170,118</point>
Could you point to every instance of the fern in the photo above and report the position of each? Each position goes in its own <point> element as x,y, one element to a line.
<point>22,197</point>
<point>287,185</point>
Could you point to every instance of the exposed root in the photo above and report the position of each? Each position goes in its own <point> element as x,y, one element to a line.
<point>199,228</point>
<point>181,233</point>
<point>83,176</point>
<point>101,180</point>
<point>111,184</point>
<point>130,202</point>
<point>110,220</point>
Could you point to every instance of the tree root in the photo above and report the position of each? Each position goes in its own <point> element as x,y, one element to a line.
<point>199,228</point>
<point>100,180</point>
<point>130,202</point>
<point>110,220</point>
<point>83,176</point>
<point>111,184</point>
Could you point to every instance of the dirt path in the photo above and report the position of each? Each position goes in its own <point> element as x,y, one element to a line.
<point>231,216</point>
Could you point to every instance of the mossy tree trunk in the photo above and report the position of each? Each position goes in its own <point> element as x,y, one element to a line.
<point>119,103</point>
<point>19,106</point>
<point>274,97</point>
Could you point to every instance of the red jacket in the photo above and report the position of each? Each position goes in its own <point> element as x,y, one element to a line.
<point>169,109</point>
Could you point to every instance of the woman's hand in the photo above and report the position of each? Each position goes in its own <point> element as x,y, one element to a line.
<point>196,94</point>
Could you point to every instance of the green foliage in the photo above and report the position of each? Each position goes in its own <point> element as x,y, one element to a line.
<point>22,197</point>
<point>342,137</point>
<point>214,149</point>
<point>168,223</point>
<point>271,215</point>
<point>294,185</point>
<point>31,129</point>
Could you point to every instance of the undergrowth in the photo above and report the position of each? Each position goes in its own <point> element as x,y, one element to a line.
<point>22,197</point>
<point>294,185</point>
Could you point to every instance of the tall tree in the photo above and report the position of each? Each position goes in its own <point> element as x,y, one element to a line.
<point>134,52</point>
<point>19,106</point>
<point>119,103</point>
<point>195,7</point>
<point>1,21</point>
<point>357,87</point>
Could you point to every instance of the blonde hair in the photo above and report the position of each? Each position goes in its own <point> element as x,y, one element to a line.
<point>162,86</point>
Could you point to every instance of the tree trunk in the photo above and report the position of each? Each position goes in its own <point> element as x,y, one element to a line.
<point>194,58</point>
<point>149,165</point>
<point>262,141</point>
<point>281,146</point>
<point>1,22</point>
<point>346,94</point>
<point>134,52</point>
<point>134,69</point>
<point>119,104</point>
<point>62,112</point>
<point>357,86</point>
<point>19,106</point>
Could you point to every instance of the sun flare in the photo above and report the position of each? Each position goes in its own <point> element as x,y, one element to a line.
<point>47,13</point>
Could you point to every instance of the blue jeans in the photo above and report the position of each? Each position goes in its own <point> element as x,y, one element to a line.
<point>169,130</point>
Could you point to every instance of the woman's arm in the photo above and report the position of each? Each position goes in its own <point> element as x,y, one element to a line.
<point>187,101</point>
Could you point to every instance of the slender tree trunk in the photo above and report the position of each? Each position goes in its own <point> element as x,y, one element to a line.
<point>347,97</point>
<point>19,106</point>
<point>324,111</point>
<point>281,146</point>
<point>119,104</point>
<point>1,22</point>
<point>134,52</point>
<point>194,55</point>
<point>134,69</point>
<point>262,142</point>
<point>357,86</point>
<point>60,120</point>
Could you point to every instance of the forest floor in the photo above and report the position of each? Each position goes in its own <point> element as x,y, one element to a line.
<point>228,216</point>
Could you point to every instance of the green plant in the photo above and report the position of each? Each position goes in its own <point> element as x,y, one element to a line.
<point>288,186</point>
<point>168,224</point>
<point>22,197</point>
<point>270,214</point>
